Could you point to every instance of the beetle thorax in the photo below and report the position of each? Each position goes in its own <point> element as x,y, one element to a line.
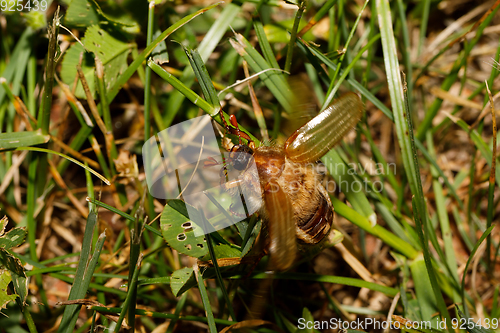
<point>270,162</point>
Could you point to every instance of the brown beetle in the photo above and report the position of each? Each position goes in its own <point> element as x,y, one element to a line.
<point>295,206</point>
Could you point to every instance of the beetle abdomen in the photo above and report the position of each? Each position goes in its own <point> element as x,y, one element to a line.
<point>313,211</point>
<point>315,229</point>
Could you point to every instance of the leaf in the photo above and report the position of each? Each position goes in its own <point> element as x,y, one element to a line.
<point>35,19</point>
<point>81,13</point>
<point>160,54</point>
<point>115,14</point>
<point>306,314</point>
<point>14,268</point>
<point>182,280</point>
<point>17,273</point>
<point>274,80</point>
<point>68,70</point>
<point>22,139</point>
<point>223,251</point>
<point>5,279</point>
<point>281,33</point>
<point>249,239</point>
<point>177,230</point>
<point>200,70</point>
<point>112,52</point>
<point>13,238</point>
<point>3,224</point>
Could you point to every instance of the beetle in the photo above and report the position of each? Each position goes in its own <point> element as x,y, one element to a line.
<point>296,208</point>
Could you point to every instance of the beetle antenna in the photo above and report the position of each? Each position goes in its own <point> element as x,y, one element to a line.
<point>224,168</point>
<point>226,126</point>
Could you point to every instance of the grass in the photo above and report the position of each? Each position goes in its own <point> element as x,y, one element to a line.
<point>416,217</point>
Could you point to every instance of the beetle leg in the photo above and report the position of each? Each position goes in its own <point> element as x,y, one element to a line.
<point>235,131</point>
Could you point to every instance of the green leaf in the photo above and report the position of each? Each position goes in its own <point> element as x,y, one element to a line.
<point>5,279</point>
<point>17,273</point>
<point>84,272</point>
<point>177,230</point>
<point>3,223</point>
<point>281,33</point>
<point>250,236</point>
<point>274,80</point>
<point>68,69</point>
<point>200,70</point>
<point>22,139</point>
<point>308,317</point>
<point>35,19</point>
<point>13,238</point>
<point>160,54</point>
<point>144,54</point>
<point>81,13</point>
<point>182,280</point>
<point>112,52</point>
<point>115,14</point>
<point>349,185</point>
<point>223,251</point>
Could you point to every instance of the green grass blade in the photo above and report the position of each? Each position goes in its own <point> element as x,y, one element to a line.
<point>18,60</point>
<point>348,184</point>
<point>211,39</point>
<point>183,89</point>
<point>122,79</point>
<point>147,102</point>
<point>404,130</point>
<point>452,76</point>
<point>218,275</point>
<point>19,139</point>
<point>471,257</point>
<point>205,300</point>
<point>274,80</point>
<point>329,279</point>
<point>83,271</point>
<point>446,231</point>
<point>130,296</point>
<point>267,51</point>
<point>43,150</point>
<point>332,89</point>
<point>388,238</point>
<point>291,43</point>
<point>201,73</point>
<point>44,115</point>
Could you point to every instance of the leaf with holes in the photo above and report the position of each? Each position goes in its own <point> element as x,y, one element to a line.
<point>182,280</point>
<point>13,238</point>
<point>13,265</point>
<point>111,51</point>
<point>17,273</point>
<point>5,298</point>
<point>177,230</point>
